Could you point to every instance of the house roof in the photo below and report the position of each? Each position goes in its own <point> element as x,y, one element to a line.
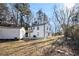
<point>2,26</point>
<point>12,25</point>
<point>34,25</point>
<point>9,25</point>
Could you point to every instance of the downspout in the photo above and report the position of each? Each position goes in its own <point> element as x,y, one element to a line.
<point>44,30</point>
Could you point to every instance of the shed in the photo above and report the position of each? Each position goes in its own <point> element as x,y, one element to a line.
<point>12,32</point>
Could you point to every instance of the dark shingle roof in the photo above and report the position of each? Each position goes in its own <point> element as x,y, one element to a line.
<point>33,25</point>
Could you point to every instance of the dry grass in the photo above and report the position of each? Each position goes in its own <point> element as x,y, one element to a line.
<point>23,48</point>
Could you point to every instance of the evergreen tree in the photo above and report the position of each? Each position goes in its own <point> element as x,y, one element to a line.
<point>24,10</point>
<point>3,11</point>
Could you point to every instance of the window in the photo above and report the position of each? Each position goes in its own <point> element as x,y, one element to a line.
<point>47,28</point>
<point>26,34</point>
<point>37,33</point>
<point>37,28</point>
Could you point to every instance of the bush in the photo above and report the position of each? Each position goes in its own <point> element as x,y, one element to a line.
<point>57,33</point>
<point>72,32</point>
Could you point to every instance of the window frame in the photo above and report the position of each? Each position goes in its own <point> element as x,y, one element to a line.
<point>37,27</point>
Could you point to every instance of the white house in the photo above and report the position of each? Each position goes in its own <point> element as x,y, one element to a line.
<point>12,32</point>
<point>40,30</point>
<point>40,26</point>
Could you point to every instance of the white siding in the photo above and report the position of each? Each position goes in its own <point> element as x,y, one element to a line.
<point>47,31</point>
<point>11,33</point>
<point>6,33</point>
<point>22,33</point>
<point>40,32</point>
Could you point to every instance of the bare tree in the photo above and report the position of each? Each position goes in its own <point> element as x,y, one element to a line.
<point>63,17</point>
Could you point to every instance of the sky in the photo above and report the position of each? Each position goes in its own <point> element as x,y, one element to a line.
<point>48,7</point>
<point>45,7</point>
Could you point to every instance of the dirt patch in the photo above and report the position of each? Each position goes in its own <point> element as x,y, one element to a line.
<point>54,46</point>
